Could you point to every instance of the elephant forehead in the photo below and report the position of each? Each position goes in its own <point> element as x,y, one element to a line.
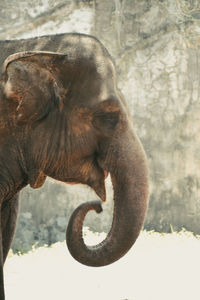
<point>103,64</point>
<point>92,52</point>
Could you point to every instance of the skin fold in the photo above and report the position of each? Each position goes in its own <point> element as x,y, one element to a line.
<point>62,116</point>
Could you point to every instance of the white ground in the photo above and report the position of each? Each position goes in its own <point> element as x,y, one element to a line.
<point>158,267</point>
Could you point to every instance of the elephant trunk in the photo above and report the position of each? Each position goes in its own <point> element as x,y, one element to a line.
<point>126,162</point>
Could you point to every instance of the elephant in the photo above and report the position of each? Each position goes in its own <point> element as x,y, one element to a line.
<point>63,116</point>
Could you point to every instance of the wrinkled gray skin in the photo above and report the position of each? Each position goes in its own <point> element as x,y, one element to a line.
<point>61,115</point>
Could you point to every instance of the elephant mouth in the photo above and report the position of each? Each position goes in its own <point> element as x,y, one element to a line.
<point>105,174</point>
<point>73,182</point>
<point>94,179</point>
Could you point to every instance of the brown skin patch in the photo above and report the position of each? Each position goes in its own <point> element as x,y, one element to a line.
<point>81,121</point>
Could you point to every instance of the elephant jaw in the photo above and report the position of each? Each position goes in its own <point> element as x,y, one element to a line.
<point>98,187</point>
<point>96,181</point>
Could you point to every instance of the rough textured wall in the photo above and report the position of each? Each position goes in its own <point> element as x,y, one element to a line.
<point>22,19</point>
<point>156,47</point>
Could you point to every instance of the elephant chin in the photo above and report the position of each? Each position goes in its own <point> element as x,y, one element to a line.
<point>130,184</point>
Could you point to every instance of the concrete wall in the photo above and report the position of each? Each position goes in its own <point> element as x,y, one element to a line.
<point>156,48</point>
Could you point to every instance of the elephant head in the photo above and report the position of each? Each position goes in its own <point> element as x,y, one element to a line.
<point>72,124</point>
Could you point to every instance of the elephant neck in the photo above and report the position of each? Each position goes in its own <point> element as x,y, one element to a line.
<point>12,171</point>
<point>12,176</point>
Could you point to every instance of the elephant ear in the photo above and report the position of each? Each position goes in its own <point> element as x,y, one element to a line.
<point>32,84</point>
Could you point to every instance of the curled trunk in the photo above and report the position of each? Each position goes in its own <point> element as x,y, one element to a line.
<point>126,162</point>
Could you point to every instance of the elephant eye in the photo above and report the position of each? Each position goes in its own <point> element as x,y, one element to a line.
<point>105,120</point>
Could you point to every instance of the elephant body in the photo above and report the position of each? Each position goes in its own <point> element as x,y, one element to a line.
<point>62,115</point>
